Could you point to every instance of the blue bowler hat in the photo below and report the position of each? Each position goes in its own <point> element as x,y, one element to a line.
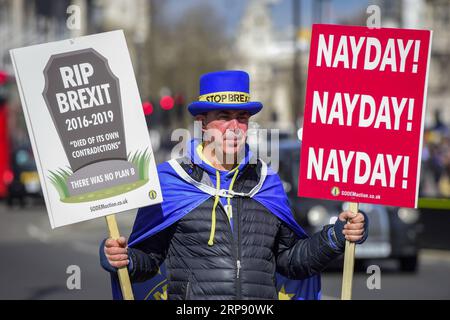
<point>224,90</point>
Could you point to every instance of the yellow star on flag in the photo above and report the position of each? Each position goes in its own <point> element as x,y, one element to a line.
<point>283,295</point>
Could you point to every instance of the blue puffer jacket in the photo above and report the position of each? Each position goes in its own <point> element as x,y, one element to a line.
<point>246,253</point>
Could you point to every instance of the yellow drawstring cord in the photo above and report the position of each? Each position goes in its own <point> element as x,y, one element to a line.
<point>216,202</point>
<point>213,213</point>
<point>229,214</point>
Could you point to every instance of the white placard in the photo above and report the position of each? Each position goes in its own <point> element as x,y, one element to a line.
<point>87,127</point>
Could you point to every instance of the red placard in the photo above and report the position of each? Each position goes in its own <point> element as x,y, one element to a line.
<point>364,114</point>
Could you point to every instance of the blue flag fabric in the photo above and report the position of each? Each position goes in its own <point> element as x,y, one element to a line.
<point>180,198</point>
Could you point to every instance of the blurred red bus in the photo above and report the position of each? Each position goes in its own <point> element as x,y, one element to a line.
<point>6,174</point>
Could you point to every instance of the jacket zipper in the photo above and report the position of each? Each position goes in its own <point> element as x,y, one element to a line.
<point>238,265</point>
<point>187,295</point>
<point>236,236</point>
<point>238,248</point>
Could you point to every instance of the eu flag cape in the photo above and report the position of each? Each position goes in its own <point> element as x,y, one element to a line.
<point>181,197</point>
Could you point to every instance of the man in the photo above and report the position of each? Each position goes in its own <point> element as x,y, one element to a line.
<point>225,229</point>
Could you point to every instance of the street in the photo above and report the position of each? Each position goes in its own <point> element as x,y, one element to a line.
<point>35,259</point>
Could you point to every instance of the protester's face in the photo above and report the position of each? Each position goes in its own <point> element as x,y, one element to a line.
<point>227,129</point>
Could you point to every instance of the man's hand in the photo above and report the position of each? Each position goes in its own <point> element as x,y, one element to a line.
<point>354,228</point>
<point>116,252</point>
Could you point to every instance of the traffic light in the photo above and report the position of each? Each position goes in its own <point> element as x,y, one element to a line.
<point>147,106</point>
<point>166,102</point>
<point>179,106</point>
<point>3,91</point>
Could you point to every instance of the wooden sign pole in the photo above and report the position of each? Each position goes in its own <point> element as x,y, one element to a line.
<point>349,262</point>
<point>124,278</point>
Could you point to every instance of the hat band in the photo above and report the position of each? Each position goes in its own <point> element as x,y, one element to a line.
<point>226,97</point>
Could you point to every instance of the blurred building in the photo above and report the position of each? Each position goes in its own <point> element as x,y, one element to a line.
<point>268,57</point>
<point>134,18</point>
<point>433,15</point>
<point>438,20</point>
<point>25,23</point>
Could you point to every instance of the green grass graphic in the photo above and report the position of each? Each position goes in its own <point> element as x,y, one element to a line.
<point>105,193</point>
<point>59,178</point>
<point>142,161</point>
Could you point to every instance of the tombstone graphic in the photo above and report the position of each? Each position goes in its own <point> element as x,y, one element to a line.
<point>83,97</point>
